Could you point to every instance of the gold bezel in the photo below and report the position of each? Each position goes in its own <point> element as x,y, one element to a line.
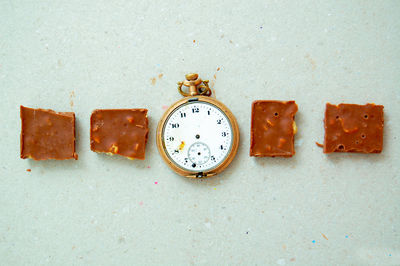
<point>223,164</point>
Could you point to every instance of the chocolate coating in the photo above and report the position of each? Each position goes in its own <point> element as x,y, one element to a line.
<point>46,134</point>
<point>119,131</point>
<point>272,128</point>
<point>353,128</point>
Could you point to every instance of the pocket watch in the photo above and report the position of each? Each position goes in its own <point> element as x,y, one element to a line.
<point>198,136</point>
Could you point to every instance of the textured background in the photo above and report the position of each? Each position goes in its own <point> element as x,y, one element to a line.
<point>309,209</point>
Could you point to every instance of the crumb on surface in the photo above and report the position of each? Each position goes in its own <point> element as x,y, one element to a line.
<point>71,100</point>
<point>181,146</point>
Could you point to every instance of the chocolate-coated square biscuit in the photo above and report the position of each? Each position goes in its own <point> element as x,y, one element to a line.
<point>46,134</point>
<point>119,131</point>
<point>353,128</point>
<point>273,128</point>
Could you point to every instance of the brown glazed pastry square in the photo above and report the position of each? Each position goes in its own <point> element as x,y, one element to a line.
<point>353,128</point>
<point>273,128</point>
<point>46,134</point>
<point>119,131</point>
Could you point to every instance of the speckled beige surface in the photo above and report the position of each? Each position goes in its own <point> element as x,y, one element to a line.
<point>82,55</point>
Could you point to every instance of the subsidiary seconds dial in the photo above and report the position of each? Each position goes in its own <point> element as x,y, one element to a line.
<point>197,136</point>
<point>199,153</point>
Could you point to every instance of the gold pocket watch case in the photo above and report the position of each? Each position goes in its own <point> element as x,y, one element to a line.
<point>197,136</point>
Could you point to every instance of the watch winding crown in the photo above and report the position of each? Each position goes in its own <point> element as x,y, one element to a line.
<point>196,85</point>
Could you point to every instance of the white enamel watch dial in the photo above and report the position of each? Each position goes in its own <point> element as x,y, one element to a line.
<point>197,136</point>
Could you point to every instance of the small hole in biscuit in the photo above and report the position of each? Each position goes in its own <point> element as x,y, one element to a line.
<point>363,136</point>
<point>341,147</point>
<point>276,114</point>
<point>366,116</point>
<point>337,117</point>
